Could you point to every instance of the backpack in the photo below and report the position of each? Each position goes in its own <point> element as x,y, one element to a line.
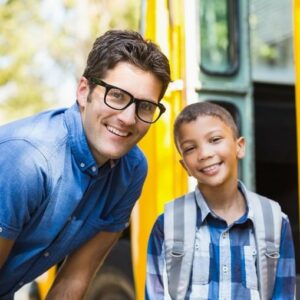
<point>180,230</point>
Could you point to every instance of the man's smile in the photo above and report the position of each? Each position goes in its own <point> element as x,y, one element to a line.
<point>118,132</point>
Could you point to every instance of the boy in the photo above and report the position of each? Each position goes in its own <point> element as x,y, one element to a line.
<point>70,177</point>
<point>212,243</point>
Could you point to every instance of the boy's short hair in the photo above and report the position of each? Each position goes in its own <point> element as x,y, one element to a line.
<point>126,46</point>
<point>193,111</point>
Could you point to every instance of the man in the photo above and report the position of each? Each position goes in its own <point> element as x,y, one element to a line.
<point>70,177</point>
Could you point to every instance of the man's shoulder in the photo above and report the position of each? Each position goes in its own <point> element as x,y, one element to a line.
<point>136,157</point>
<point>32,126</point>
<point>38,130</point>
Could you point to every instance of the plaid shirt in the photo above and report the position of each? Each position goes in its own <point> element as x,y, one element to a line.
<point>224,266</point>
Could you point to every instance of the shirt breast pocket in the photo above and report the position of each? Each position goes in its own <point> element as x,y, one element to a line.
<point>201,265</point>
<point>249,276</point>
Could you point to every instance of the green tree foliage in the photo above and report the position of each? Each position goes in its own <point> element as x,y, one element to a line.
<point>20,86</point>
<point>41,48</point>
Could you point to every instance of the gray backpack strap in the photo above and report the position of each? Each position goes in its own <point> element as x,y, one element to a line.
<point>179,229</point>
<point>267,230</point>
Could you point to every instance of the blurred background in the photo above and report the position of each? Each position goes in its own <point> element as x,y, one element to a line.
<point>44,46</point>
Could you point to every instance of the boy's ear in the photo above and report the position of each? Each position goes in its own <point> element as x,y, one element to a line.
<point>184,166</point>
<point>240,147</point>
<point>82,91</point>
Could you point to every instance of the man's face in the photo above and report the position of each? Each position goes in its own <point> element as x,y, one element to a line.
<point>112,133</point>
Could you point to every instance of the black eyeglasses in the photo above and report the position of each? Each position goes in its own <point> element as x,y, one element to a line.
<point>116,98</point>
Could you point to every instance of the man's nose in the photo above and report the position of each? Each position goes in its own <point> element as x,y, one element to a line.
<point>128,115</point>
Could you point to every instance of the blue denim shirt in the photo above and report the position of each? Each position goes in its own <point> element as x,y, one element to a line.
<point>53,196</point>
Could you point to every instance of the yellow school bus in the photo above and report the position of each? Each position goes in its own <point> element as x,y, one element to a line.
<point>244,55</point>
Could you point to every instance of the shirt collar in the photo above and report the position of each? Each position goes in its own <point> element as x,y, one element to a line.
<point>79,145</point>
<point>205,210</point>
<point>244,191</point>
<point>202,205</point>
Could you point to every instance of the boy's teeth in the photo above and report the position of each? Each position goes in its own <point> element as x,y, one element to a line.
<point>210,168</point>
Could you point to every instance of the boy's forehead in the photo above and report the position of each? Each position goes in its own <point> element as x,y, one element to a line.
<point>204,124</point>
<point>207,121</point>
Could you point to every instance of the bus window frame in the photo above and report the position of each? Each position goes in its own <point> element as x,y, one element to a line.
<point>233,50</point>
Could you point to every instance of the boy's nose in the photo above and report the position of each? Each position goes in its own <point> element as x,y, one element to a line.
<point>204,152</point>
<point>128,115</point>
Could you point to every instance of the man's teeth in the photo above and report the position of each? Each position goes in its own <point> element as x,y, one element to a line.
<point>117,132</point>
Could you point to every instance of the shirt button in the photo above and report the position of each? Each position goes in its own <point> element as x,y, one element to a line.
<point>1,229</point>
<point>94,169</point>
<point>46,254</point>
<point>82,165</point>
<point>224,235</point>
<point>225,269</point>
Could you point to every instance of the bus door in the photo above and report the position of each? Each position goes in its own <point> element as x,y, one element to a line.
<point>218,65</point>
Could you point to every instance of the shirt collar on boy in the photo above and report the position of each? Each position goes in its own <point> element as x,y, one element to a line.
<point>204,210</point>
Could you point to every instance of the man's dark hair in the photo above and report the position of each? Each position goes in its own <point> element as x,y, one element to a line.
<point>126,46</point>
<point>193,111</point>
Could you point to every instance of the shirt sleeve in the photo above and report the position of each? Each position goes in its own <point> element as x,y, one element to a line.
<point>21,185</point>
<point>156,266</point>
<point>285,281</point>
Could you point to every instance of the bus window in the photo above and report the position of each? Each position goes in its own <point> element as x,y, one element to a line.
<point>218,37</point>
<point>272,41</point>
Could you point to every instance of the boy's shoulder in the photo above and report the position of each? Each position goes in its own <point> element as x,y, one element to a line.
<point>188,195</point>
<point>259,203</point>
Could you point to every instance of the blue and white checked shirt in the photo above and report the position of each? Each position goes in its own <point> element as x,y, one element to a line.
<point>224,265</point>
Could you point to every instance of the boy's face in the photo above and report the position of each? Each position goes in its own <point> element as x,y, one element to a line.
<point>112,133</point>
<point>210,152</point>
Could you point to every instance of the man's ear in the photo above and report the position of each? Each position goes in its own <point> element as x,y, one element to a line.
<point>184,166</point>
<point>240,147</point>
<point>82,91</point>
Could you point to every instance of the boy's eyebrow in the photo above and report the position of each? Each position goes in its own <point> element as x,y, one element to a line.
<point>183,141</point>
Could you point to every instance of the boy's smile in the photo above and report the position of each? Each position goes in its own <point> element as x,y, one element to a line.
<point>209,150</point>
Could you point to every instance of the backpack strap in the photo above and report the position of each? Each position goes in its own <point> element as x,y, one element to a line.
<point>267,231</point>
<point>179,229</point>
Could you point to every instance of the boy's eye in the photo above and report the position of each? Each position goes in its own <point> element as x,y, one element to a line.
<point>188,149</point>
<point>215,139</point>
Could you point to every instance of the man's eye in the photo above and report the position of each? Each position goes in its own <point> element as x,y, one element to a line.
<point>147,107</point>
<point>116,94</point>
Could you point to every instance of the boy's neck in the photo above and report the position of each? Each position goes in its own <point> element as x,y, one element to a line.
<point>227,203</point>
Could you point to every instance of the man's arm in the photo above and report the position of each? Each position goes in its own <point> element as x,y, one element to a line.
<point>285,282</point>
<point>78,270</point>
<point>5,248</point>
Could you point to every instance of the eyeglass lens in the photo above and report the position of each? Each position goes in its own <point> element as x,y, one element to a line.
<point>146,110</point>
